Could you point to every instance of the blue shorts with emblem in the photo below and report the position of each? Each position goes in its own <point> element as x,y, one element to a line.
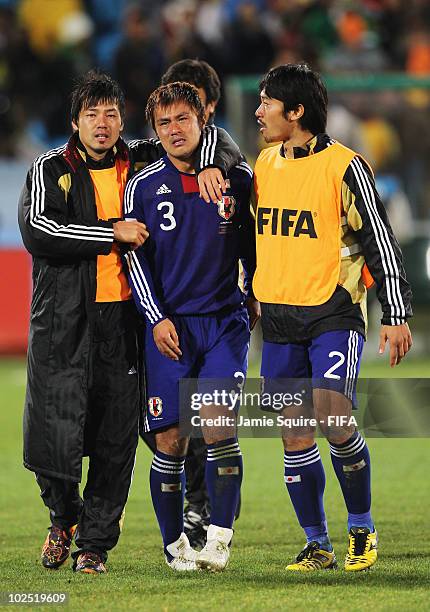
<point>213,347</point>
<point>329,361</point>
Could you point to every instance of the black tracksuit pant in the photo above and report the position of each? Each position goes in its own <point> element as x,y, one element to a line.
<point>111,435</point>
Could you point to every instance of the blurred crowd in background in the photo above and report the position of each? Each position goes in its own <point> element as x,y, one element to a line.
<point>45,44</point>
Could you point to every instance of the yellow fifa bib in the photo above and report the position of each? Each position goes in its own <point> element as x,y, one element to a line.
<point>298,225</point>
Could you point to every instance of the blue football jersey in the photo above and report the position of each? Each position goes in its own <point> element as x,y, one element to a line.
<point>189,263</point>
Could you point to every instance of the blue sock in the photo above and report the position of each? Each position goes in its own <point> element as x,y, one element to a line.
<point>305,480</point>
<point>167,481</point>
<point>224,471</point>
<point>319,533</point>
<point>351,462</point>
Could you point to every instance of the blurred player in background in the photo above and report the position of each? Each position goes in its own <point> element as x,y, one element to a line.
<point>320,228</point>
<point>200,74</point>
<point>186,285</point>
<point>82,391</point>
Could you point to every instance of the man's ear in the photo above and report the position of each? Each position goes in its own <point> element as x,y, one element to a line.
<point>75,126</point>
<point>210,109</point>
<point>296,114</point>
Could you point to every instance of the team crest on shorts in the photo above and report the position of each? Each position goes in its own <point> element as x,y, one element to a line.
<point>226,207</point>
<point>155,406</point>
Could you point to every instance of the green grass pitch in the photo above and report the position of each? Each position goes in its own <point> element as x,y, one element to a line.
<point>267,535</point>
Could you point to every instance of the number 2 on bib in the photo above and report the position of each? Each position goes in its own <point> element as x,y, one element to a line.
<point>335,366</point>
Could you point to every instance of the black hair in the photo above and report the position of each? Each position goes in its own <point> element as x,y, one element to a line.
<point>295,84</point>
<point>166,95</point>
<point>198,73</point>
<point>95,87</point>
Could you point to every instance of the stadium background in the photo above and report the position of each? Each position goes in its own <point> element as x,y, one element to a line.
<point>375,56</point>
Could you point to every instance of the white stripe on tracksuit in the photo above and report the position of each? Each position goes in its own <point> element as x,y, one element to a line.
<point>137,141</point>
<point>146,427</point>
<point>49,226</point>
<point>137,275</point>
<point>142,288</point>
<point>388,259</point>
<point>207,154</point>
<point>245,167</point>
<point>352,362</point>
<point>132,184</point>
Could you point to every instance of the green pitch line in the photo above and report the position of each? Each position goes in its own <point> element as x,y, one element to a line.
<point>266,536</point>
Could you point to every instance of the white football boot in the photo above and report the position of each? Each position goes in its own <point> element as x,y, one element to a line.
<point>184,557</point>
<point>214,556</point>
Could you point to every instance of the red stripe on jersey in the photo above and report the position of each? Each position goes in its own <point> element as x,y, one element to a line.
<point>189,183</point>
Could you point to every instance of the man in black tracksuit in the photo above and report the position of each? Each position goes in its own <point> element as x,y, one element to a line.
<point>83,388</point>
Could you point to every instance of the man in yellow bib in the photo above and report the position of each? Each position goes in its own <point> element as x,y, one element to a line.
<point>322,237</point>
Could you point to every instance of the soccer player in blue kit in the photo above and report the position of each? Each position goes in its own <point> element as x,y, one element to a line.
<point>185,283</point>
<point>321,228</point>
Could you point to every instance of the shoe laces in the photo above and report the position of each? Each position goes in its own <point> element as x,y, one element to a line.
<point>56,543</point>
<point>182,546</point>
<point>308,551</point>
<point>359,542</point>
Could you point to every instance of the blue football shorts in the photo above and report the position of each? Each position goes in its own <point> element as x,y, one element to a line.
<point>214,350</point>
<point>329,361</point>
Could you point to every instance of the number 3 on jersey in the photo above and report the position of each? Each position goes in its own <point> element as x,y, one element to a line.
<point>167,215</point>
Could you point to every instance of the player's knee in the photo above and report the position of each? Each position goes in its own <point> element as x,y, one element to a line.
<point>339,435</point>
<point>171,442</point>
<point>214,436</point>
<point>293,443</point>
